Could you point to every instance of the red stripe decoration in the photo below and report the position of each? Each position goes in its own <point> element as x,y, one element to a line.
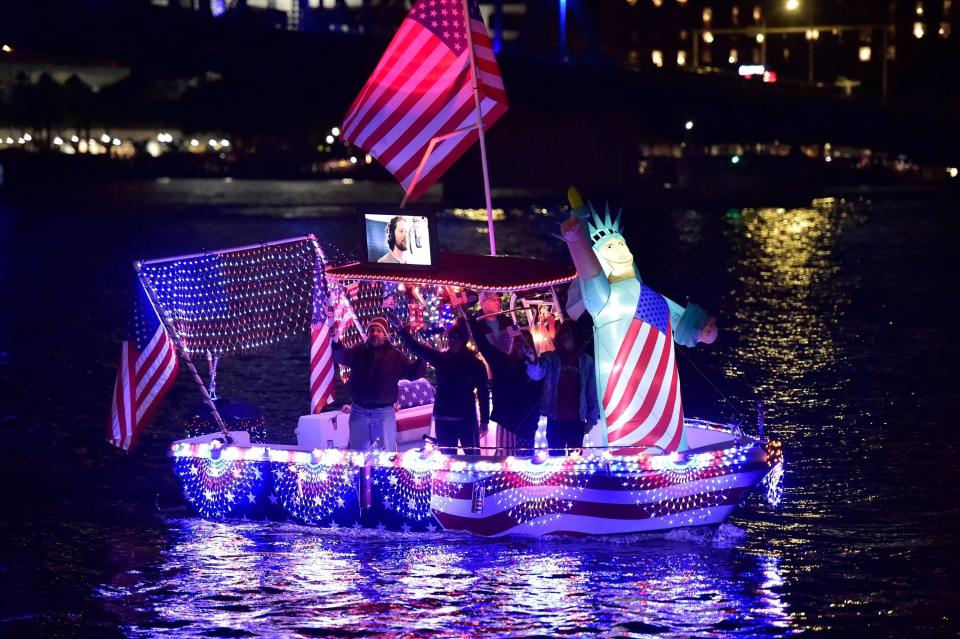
<point>641,402</point>
<point>148,368</point>
<point>417,113</point>
<point>321,368</point>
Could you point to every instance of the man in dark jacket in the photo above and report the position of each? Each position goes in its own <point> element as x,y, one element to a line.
<point>375,369</point>
<point>461,383</point>
<point>516,397</point>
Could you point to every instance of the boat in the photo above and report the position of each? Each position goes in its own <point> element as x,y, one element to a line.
<point>277,288</point>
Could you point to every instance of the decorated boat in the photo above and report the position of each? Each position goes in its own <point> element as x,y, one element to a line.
<point>235,301</point>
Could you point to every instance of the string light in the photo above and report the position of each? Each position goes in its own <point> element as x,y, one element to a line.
<point>410,490</point>
<point>237,301</point>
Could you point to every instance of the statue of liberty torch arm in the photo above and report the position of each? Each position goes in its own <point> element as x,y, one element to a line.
<point>634,331</point>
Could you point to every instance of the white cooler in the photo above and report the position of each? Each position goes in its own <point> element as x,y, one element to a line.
<point>324,430</point>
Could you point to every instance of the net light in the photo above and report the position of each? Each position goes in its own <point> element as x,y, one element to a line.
<point>793,5</point>
<point>733,57</point>
<point>918,30</point>
<point>708,37</point>
<point>681,57</point>
<point>656,56</point>
<point>760,38</point>
<point>919,9</point>
<point>707,15</point>
<point>865,53</point>
<point>812,34</point>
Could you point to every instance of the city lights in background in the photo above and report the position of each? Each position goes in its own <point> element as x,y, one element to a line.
<point>7,48</point>
<point>688,125</point>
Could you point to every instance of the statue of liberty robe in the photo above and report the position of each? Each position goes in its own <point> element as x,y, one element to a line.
<point>634,333</point>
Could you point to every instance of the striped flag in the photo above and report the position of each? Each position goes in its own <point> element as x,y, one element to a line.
<point>513,330</point>
<point>641,399</point>
<point>321,367</point>
<point>417,114</point>
<point>148,368</point>
<point>458,298</point>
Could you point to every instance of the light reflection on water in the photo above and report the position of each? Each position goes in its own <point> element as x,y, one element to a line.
<point>788,299</point>
<point>282,580</point>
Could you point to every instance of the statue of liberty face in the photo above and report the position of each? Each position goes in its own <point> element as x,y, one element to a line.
<point>615,252</point>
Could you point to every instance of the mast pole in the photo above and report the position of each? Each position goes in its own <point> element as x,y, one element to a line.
<point>483,142</point>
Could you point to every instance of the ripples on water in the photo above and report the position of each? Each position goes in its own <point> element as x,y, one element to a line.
<point>839,316</point>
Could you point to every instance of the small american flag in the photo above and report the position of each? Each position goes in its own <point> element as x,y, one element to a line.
<point>513,330</point>
<point>421,94</point>
<point>389,302</point>
<point>458,298</point>
<point>148,368</point>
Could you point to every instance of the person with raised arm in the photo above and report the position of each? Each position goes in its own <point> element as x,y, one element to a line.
<point>634,333</point>
<point>461,384</point>
<point>375,369</point>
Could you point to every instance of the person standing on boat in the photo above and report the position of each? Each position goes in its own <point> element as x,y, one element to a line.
<point>396,241</point>
<point>516,396</point>
<point>634,331</point>
<point>461,383</point>
<point>375,369</point>
<point>493,325</point>
<point>569,399</point>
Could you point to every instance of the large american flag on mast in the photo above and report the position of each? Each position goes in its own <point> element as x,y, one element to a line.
<point>421,94</point>
<point>641,400</point>
<point>148,368</point>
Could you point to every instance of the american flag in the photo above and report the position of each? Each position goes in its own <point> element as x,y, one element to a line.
<point>148,368</point>
<point>421,92</point>
<point>458,298</point>
<point>513,330</point>
<point>641,399</point>
<point>321,367</point>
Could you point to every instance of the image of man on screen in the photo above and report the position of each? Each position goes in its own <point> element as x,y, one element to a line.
<point>396,241</point>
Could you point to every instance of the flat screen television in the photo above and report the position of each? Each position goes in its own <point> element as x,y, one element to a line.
<point>400,240</point>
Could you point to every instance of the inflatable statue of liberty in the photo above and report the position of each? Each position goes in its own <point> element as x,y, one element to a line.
<point>634,331</point>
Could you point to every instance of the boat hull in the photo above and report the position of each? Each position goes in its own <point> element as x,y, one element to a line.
<point>417,491</point>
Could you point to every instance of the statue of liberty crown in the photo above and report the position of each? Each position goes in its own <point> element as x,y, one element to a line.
<point>601,230</point>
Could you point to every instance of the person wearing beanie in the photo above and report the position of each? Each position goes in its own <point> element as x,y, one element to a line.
<point>461,384</point>
<point>375,369</point>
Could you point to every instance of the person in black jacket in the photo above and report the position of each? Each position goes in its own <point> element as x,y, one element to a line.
<point>461,383</point>
<point>516,397</point>
<point>375,368</point>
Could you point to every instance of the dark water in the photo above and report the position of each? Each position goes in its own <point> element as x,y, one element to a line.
<point>840,316</point>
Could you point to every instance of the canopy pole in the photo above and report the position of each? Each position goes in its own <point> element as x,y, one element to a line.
<point>483,142</point>
<point>172,331</point>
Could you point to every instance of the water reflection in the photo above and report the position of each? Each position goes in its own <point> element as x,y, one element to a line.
<point>271,580</point>
<point>788,299</point>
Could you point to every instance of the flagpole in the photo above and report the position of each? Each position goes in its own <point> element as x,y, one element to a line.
<point>483,143</point>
